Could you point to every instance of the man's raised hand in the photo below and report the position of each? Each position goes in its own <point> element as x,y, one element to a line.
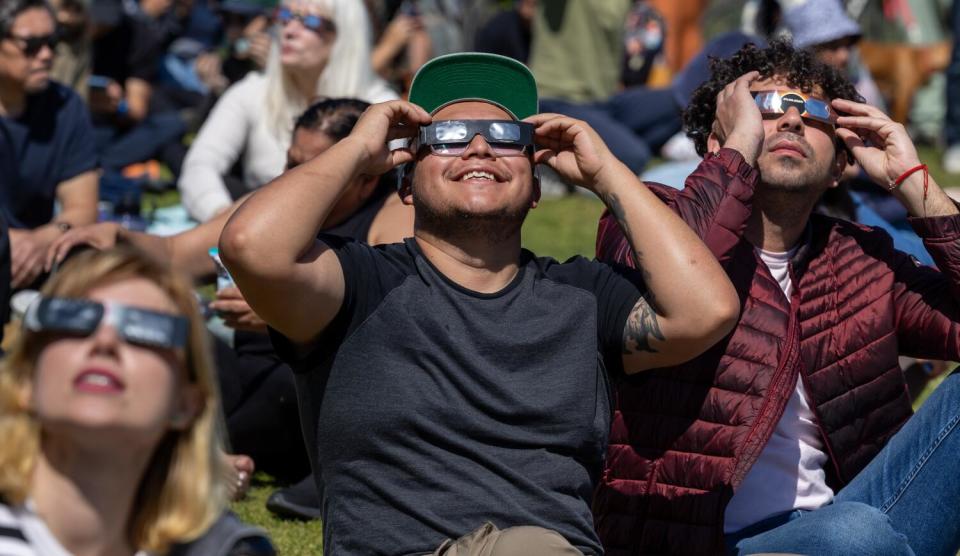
<point>885,151</point>
<point>881,146</point>
<point>571,148</point>
<point>382,123</point>
<point>739,124</point>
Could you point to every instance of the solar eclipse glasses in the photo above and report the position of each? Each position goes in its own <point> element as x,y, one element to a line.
<point>778,102</point>
<point>451,137</point>
<point>81,317</point>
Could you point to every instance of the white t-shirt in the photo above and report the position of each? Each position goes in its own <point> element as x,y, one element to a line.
<point>23,533</point>
<point>789,474</point>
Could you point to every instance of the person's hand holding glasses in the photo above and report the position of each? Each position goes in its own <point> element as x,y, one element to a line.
<point>31,46</point>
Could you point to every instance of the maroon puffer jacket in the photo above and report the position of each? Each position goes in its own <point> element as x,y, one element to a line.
<point>683,438</point>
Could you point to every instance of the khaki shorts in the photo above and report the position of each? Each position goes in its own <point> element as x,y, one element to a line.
<point>515,541</point>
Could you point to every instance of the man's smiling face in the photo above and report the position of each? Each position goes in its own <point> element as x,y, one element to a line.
<point>477,183</point>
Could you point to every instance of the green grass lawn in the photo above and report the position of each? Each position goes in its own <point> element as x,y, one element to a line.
<point>290,537</point>
<point>564,227</point>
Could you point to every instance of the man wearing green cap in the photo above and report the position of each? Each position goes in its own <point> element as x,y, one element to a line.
<point>456,381</point>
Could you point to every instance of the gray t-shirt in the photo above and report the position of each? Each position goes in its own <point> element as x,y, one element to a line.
<point>433,409</point>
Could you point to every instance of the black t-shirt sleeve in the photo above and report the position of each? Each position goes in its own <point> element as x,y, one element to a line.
<point>616,289</point>
<point>143,58</point>
<point>368,277</point>
<point>80,151</point>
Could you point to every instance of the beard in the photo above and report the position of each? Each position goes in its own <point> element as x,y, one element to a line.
<point>794,175</point>
<point>449,222</point>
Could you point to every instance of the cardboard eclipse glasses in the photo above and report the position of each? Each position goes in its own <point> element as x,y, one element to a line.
<point>451,137</point>
<point>81,317</point>
<point>778,102</point>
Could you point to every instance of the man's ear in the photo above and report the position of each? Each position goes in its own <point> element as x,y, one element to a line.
<point>714,140</point>
<point>405,183</point>
<point>535,198</point>
<point>840,162</point>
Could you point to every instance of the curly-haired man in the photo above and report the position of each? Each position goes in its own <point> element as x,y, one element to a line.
<point>794,433</point>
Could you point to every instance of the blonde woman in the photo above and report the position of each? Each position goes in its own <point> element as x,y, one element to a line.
<point>108,413</point>
<point>322,50</point>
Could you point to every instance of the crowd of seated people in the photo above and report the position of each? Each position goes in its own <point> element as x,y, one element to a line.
<point>266,122</point>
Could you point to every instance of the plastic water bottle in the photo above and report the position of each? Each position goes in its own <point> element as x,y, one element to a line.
<point>224,280</point>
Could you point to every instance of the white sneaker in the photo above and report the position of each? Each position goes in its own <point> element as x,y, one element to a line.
<point>951,159</point>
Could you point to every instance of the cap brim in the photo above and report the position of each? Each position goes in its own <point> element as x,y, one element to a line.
<point>459,77</point>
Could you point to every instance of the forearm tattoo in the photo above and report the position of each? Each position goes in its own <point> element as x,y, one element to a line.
<point>642,325</point>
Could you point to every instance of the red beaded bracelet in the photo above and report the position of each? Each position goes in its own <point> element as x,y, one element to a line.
<point>926,178</point>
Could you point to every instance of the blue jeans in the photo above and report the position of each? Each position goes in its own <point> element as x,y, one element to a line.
<point>634,123</point>
<point>906,501</point>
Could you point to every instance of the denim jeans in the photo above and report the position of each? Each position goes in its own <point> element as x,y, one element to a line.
<point>634,123</point>
<point>906,501</point>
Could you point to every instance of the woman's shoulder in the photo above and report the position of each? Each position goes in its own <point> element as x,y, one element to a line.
<point>249,89</point>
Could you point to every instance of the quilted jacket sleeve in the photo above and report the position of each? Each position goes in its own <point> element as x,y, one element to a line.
<point>927,300</point>
<point>715,202</point>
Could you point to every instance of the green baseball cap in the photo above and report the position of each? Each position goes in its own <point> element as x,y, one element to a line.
<point>465,76</point>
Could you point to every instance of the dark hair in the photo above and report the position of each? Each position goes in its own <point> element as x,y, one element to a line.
<point>333,116</point>
<point>800,68</point>
<point>10,9</point>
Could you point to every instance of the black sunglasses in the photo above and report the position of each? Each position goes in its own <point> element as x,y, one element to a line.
<point>31,46</point>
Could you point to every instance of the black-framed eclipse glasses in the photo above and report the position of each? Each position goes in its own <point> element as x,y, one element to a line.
<point>451,137</point>
<point>31,46</point>
<point>316,23</point>
<point>81,317</point>
<point>778,102</point>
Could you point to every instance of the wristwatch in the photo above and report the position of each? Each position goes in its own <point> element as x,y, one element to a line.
<point>64,227</point>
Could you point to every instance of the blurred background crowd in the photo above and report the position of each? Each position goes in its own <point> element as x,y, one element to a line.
<point>201,95</point>
<point>106,103</point>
